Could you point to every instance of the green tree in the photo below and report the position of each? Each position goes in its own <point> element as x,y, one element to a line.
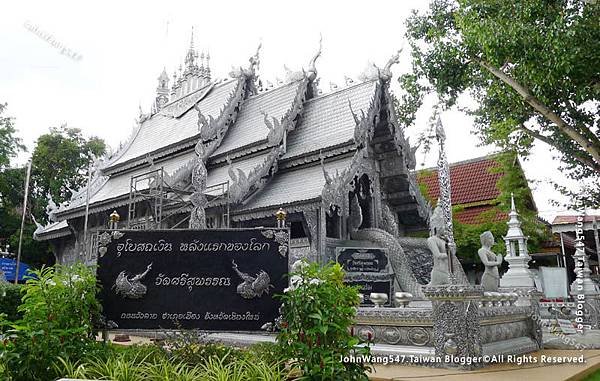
<point>60,163</point>
<point>10,145</point>
<point>10,179</point>
<point>533,67</point>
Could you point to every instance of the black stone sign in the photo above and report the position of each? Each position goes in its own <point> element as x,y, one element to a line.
<point>361,259</point>
<point>203,279</point>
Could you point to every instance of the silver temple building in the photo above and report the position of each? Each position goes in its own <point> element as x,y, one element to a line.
<point>229,153</point>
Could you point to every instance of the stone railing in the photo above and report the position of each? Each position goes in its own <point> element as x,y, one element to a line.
<point>457,321</point>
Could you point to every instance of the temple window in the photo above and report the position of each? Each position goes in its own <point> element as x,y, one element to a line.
<point>365,199</point>
<point>212,222</point>
<point>297,230</point>
<point>333,225</point>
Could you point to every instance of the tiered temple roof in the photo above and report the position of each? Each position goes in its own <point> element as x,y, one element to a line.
<point>274,147</point>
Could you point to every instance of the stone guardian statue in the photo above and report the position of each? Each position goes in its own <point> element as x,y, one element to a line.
<point>491,278</point>
<point>438,246</point>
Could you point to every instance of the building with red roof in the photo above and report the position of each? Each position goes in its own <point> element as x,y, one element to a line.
<point>474,186</point>
<point>566,226</point>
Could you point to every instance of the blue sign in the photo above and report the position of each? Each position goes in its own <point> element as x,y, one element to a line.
<point>9,267</point>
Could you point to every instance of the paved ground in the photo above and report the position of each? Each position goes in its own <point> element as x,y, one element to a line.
<point>589,340</point>
<point>499,372</point>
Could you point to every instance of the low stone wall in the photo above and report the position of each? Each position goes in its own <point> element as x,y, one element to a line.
<point>458,321</point>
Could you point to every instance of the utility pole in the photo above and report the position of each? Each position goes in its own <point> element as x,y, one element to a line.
<point>596,240</point>
<point>87,210</point>
<point>23,220</point>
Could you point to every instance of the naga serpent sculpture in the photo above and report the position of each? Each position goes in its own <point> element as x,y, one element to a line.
<point>396,255</point>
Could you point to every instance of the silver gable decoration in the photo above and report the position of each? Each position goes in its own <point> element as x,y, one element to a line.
<point>242,185</point>
<point>212,132</point>
<point>281,237</point>
<point>373,72</point>
<point>336,188</point>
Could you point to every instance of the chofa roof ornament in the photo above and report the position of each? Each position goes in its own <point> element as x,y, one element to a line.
<point>311,73</point>
<point>252,68</point>
<point>386,73</point>
<point>373,72</point>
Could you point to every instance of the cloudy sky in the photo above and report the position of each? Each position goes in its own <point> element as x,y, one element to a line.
<point>123,47</point>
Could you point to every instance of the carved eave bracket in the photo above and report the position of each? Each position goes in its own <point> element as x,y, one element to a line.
<point>242,185</point>
<point>250,73</point>
<point>212,132</point>
<point>311,73</point>
<point>365,123</point>
<point>334,196</point>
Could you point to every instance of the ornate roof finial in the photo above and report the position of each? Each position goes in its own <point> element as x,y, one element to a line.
<point>207,66</point>
<point>386,73</point>
<point>162,91</point>
<point>440,134</point>
<point>190,57</point>
<point>255,59</point>
<point>312,69</point>
<point>163,79</point>
<point>512,203</point>
<point>192,39</point>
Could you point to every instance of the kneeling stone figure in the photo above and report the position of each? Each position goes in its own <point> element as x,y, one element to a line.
<point>491,278</point>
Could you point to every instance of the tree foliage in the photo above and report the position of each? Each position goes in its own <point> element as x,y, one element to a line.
<point>60,162</point>
<point>317,312</point>
<point>533,67</point>
<point>10,144</point>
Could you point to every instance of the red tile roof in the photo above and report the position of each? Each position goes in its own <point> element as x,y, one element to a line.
<point>571,219</point>
<point>470,181</point>
<point>472,215</point>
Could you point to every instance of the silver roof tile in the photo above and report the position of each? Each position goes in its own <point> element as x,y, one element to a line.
<point>297,185</point>
<point>327,120</point>
<point>162,130</point>
<point>249,127</point>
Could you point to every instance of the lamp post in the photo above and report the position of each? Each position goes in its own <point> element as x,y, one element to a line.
<point>280,215</point>
<point>114,219</point>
